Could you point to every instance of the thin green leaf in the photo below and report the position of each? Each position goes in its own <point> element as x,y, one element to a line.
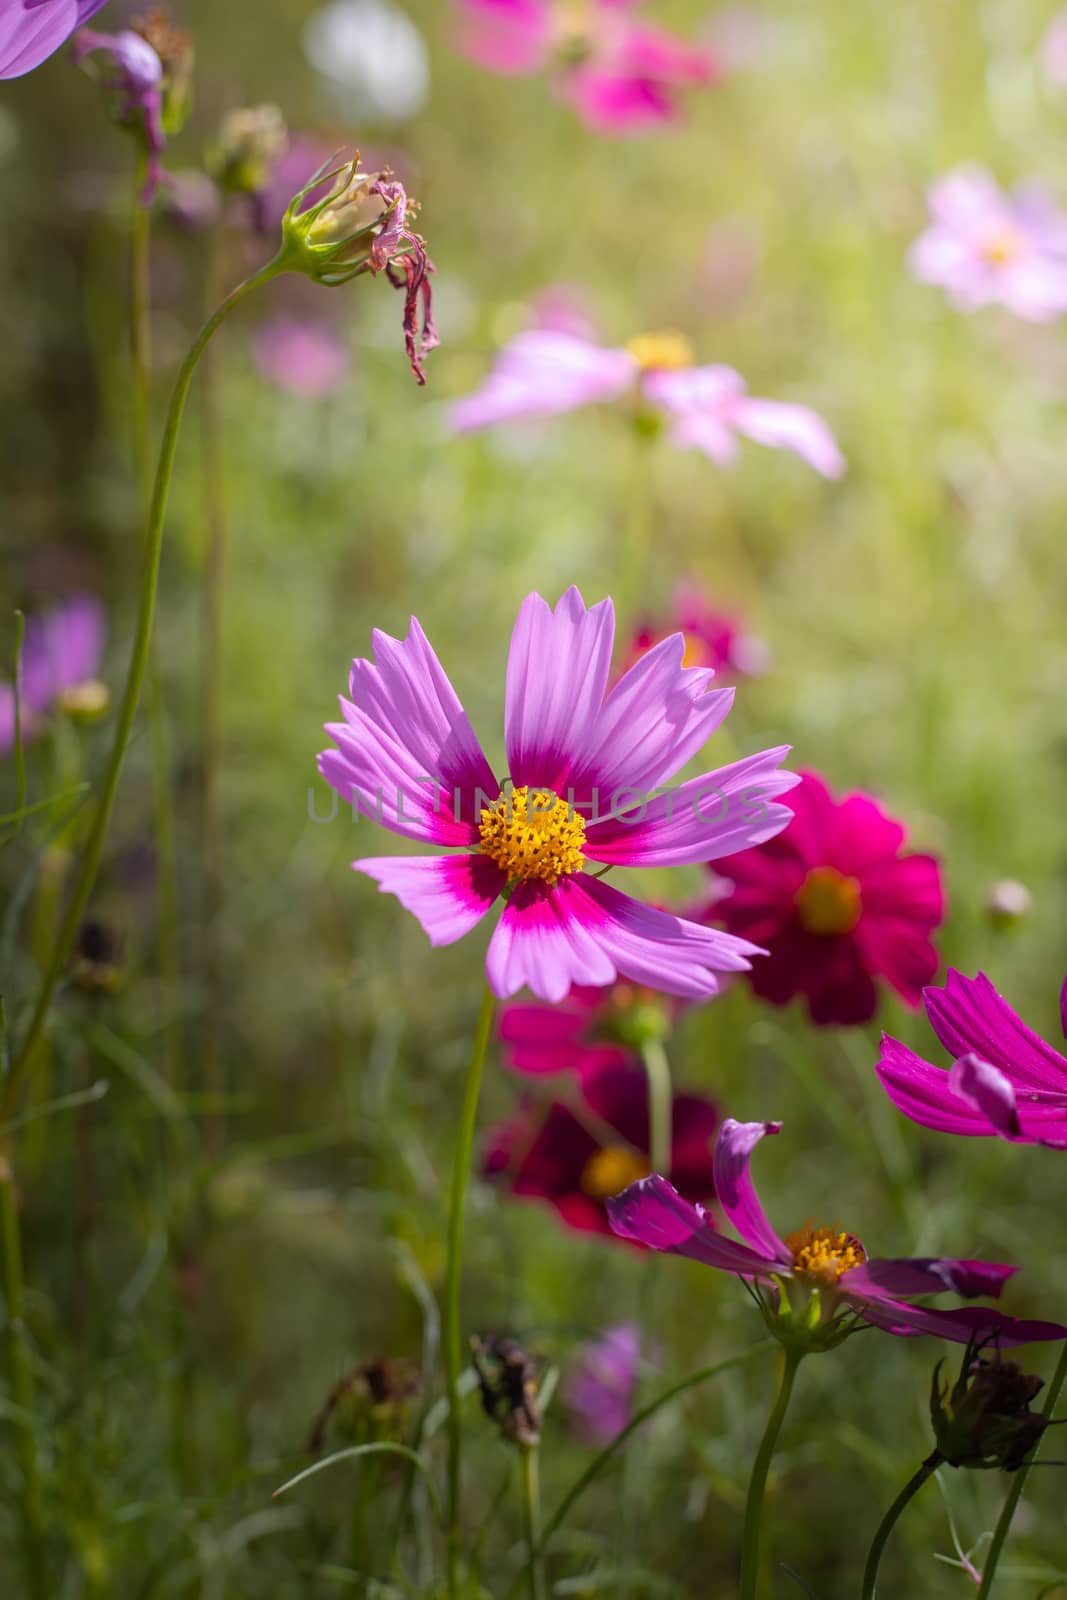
<point>354,1452</point>
<point>22,811</point>
<point>64,1102</point>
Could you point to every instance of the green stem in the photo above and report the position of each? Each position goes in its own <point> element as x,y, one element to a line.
<point>1007,1514</point>
<point>788,1362</point>
<point>20,1383</point>
<point>153,545</point>
<point>453,1350</point>
<point>889,1521</point>
<point>660,1105</point>
<point>531,1516</point>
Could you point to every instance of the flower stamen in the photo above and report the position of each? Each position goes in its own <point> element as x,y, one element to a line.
<point>828,902</point>
<point>612,1169</point>
<point>533,834</point>
<point>823,1255</point>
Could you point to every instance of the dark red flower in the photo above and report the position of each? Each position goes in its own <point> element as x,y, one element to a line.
<point>836,904</point>
<point>579,1153</point>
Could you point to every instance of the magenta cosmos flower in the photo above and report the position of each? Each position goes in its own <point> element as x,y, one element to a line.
<point>825,1261</point>
<point>713,638</point>
<point>303,356</point>
<point>587,1029</point>
<point>1005,1081</point>
<point>837,905</point>
<point>585,764</point>
<point>543,372</point>
<point>986,247</point>
<point>620,74</point>
<point>61,654</point>
<point>33,30</point>
<point>577,1153</point>
<point>600,1389</point>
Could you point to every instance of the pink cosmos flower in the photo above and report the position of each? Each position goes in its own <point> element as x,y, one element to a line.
<point>621,75</point>
<point>577,1153</point>
<point>713,638</point>
<point>543,372</point>
<point>305,358</point>
<point>837,904</point>
<point>589,1028</point>
<point>61,654</point>
<point>813,1260</point>
<point>987,247</point>
<point>1054,50</point>
<point>585,764</point>
<point>33,30</point>
<point>600,1389</point>
<point>1004,1081</point>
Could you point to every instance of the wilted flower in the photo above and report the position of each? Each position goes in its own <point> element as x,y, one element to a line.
<point>371,1402</point>
<point>508,1383</point>
<point>302,356</point>
<point>817,1285</point>
<point>250,145</point>
<point>33,30</point>
<point>984,1421</point>
<point>407,756</point>
<point>542,373</point>
<point>131,75</point>
<point>621,75</point>
<point>96,961</point>
<point>1005,1081</point>
<point>603,1381</point>
<point>577,1153</point>
<point>589,1028</point>
<point>836,904</point>
<point>713,638</point>
<point>61,654</point>
<point>174,47</point>
<point>362,224</point>
<point>984,246</point>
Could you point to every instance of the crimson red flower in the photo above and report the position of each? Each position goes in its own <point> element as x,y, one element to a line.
<point>837,905</point>
<point>578,1154</point>
<point>589,1028</point>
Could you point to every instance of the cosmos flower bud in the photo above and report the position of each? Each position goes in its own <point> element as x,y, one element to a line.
<point>371,1402</point>
<point>362,224</point>
<point>131,76</point>
<point>85,703</point>
<point>508,1381</point>
<point>1007,903</point>
<point>174,47</point>
<point>250,143</point>
<point>984,1421</point>
<point>96,961</point>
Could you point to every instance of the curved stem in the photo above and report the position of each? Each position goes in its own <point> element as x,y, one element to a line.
<point>452,1325</point>
<point>531,1508</point>
<point>889,1521</point>
<point>660,1105</point>
<point>789,1360</point>
<point>1007,1513</point>
<point>153,544</point>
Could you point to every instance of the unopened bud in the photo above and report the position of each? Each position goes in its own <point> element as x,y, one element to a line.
<point>96,961</point>
<point>250,144</point>
<point>1007,903</point>
<point>85,703</point>
<point>984,1421</point>
<point>508,1380</point>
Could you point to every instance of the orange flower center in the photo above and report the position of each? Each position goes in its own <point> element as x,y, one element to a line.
<point>612,1169</point>
<point>532,833</point>
<point>1004,245</point>
<point>828,902</point>
<point>823,1255</point>
<point>663,349</point>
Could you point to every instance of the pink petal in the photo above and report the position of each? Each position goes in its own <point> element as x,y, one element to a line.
<point>715,815</point>
<point>406,753</point>
<point>541,373</point>
<point>736,1192</point>
<point>542,944</point>
<point>923,1093</point>
<point>957,1325</point>
<point>652,1212</point>
<point>30,35</point>
<point>507,36</point>
<point>303,358</point>
<point>685,390</point>
<point>558,667</point>
<point>969,1015</point>
<point>927,1275</point>
<point>655,719</point>
<point>789,427</point>
<point>612,102</point>
<point>988,1090</point>
<point>448,894</point>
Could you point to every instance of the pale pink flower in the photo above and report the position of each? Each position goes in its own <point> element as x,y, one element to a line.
<point>305,358</point>
<point>985,246</point>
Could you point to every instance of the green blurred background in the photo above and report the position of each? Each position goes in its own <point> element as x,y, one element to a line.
<point>915,615</point>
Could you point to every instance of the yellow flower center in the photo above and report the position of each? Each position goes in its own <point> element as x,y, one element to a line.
<point>822,1255</point>
<point>612,1169</point>
<point>828,902</point>
<point>532,833</point>
<point>664,349</point>
<point>1004,245</point>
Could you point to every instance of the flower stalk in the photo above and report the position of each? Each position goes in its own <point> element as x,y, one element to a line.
<point>21,1387</point>
<point>453,1347</point>
<point>789,1360</point>
<point>892,1516</point>
<point>529,1455</point>
<point>660,1104</point>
